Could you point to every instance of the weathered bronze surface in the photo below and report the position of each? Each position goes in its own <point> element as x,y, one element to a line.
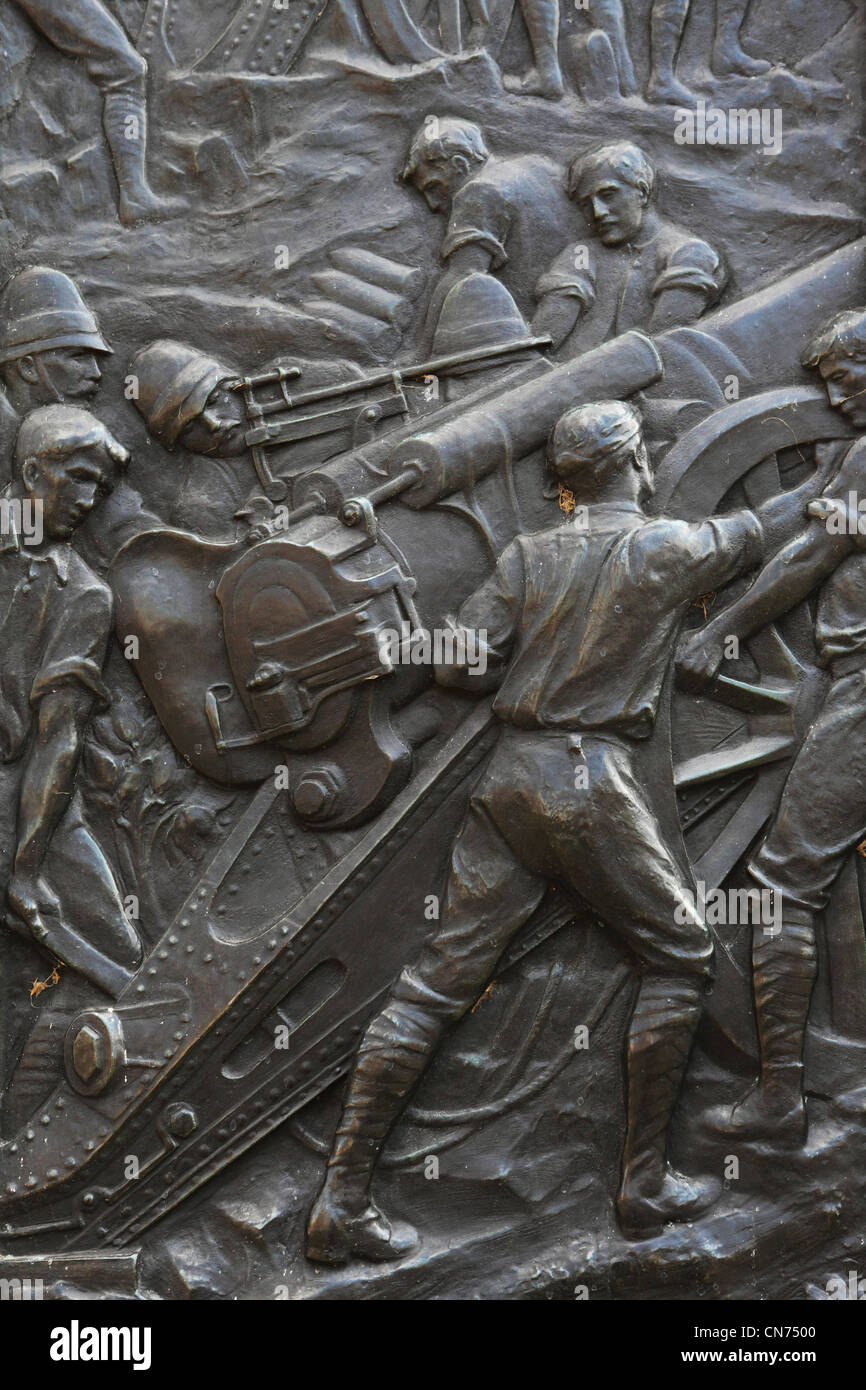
<point>433,684</point>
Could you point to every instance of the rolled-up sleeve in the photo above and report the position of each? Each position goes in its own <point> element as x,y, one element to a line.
<point>567,276</point>
<point>692,558</point>
<point>76,647</point>
<point>693,266</point>
<point>480,215</point>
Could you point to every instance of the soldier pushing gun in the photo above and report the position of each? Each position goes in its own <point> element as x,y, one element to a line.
<point>581,623</point>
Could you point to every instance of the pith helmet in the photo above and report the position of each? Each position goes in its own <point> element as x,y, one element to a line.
<point>477,312</point>
<point>41,309</point>
<point>174,382</point>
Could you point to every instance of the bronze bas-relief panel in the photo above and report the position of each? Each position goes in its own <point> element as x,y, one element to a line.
<point>433,604</point>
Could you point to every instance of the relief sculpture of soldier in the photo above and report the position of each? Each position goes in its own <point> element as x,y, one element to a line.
<point>822,813</point>
<point>184,397</point>
<point>504,215</point>
<point>649,273</point>
<point>86,29</point>
<point>57,622</point>
<point>580,624</point>
<point>189,403</point>
<point>50,352</point>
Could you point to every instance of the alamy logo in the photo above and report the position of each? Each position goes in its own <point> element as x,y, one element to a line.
<point>713,125</point>
<point>21,1290</point>
<point>716,907</point>
<point>22,516</point>
<point>440,646</point>
<point>77,1343</point>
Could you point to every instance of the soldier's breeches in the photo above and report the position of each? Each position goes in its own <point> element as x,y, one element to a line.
<point>489,896</point>
<point>576,810</point>
<point>531,821</point>
<point>85,29</point>
<point>822,813</point>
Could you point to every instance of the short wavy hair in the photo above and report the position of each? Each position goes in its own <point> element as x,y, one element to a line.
<point>844,333</point>
<point>620,157</point>
<point>440,138</point>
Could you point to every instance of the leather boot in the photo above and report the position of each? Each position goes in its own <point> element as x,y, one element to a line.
<point>784,968</point>
<point>729,56</point>
<point>124,119</point>
<point>344,1220</point>
<point>545,77</point>
<point>667,22</point>
<point>659,1042</point>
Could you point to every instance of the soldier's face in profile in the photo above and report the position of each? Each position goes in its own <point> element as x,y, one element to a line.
<point>845,380</point>
<point>612,206</point>
<point>218,431</point>
<point>73,372</point>
<point>68,489</point>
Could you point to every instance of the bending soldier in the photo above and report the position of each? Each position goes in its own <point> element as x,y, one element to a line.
<point>504,215</point>
<point>184,398</point>
<point>580,624</point>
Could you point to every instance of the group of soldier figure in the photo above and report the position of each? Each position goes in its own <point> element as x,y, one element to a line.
<point>582,622</point>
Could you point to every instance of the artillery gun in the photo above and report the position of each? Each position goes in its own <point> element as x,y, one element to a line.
<point>267,657</point>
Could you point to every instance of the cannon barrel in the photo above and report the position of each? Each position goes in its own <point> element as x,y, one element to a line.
<point>457,453</point>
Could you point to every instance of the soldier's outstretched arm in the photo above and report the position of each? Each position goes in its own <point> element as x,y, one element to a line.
<point>785,581</point>
<point>486,626</point>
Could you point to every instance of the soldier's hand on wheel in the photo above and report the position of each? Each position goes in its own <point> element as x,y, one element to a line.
<point>699,657</point>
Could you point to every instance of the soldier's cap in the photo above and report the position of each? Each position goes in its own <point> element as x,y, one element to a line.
<point>588,434</point>
<point>42,309</point>
<point>56,431</point>
<point>477,312</point>
<point>173,383</point>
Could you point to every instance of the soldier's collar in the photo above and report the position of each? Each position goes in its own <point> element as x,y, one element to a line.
<point>56,555</point>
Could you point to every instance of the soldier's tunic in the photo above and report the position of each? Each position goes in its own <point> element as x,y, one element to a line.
<point>822,812</point>
<point>617,286</point>
<point>515,210</point>
<point>589,618</point>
